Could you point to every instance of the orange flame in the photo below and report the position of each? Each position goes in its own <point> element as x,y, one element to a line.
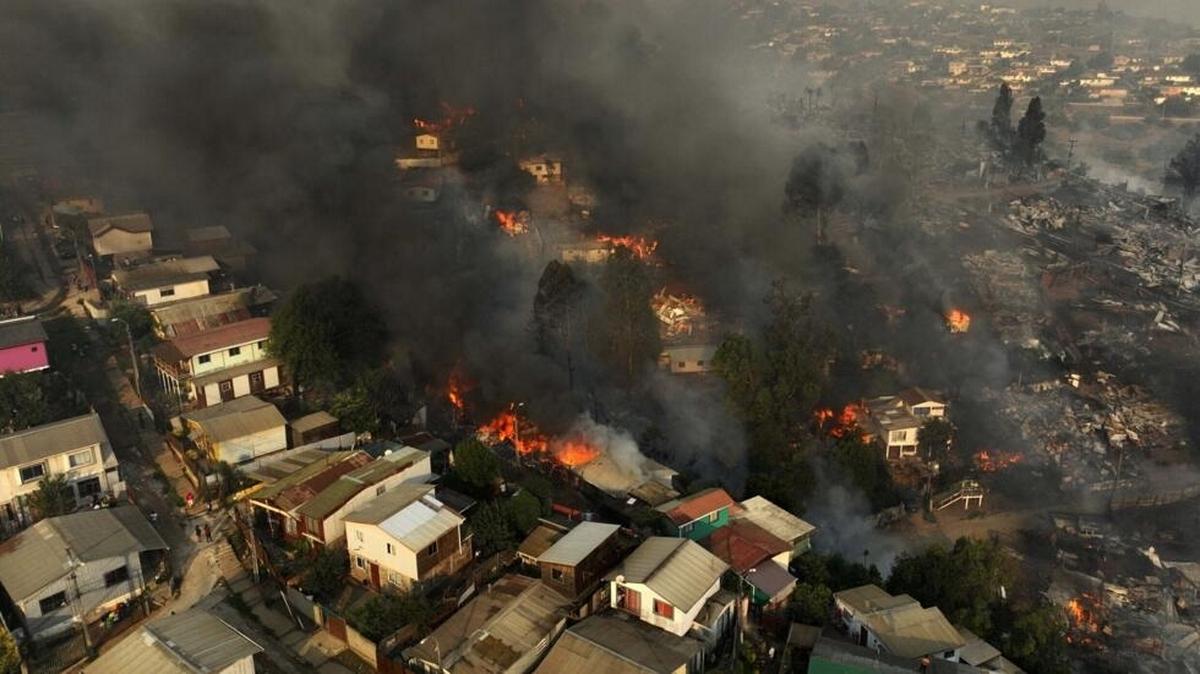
<point>575,452</point>
<point>992,461</point>
<point>641,247</point>
<point>456,389</point>
<point>1083,614</point>
<point>510,222</point>
<point>842,424</point>
<point>527,439</point>
<point>958,321</point>
<point>451,117</point>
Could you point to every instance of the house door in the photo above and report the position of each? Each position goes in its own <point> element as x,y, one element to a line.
<point>226,391</point>
<point>893,452</point>
<point>631,600</point>
<point>374,575</point>
<point>862,636</point>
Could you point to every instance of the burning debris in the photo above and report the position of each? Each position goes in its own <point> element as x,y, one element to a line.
<point>642,247</point>
<point>1084,617</point>
<point>680,314</point>
<point>451,117</point>
<point>958,321</point>
<point>842,424</point>
<point>512,223</point>
<point>993,461</point>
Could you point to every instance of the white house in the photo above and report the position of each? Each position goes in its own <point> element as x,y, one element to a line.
<point>76,448</point>
<point>545,170</point>
<point>77,566</point>
<point>666,582</point>
<point>780,523</point>
<point>220,364</point>
<point>405,536</point>
<point>187,642</point>
<point>687,358</point>
<point>898,625</point>
<point>127,234</point>
<point>238,431</point>
<point>166,280</point>
<point>896,420</point>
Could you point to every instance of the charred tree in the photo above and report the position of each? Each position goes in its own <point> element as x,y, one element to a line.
<point>817,182</point>
<point>556,309</point>
<point>1001,126</point>
<point>629,329</point>
<point>1031,131</point>
<point>1185,168</point>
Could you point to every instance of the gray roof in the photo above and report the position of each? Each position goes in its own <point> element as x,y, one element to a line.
<point>853,657</point>
<point>676,569</point>
<point>40,442</point>
<point>165,273</point>
<point>312,421</point>
<point>21,331</point>
<point>578,543</point>
<point>410,514</point>
<point>38,556</point>
<point>210,233</point>
<point>779,522</point>
<point>195,314</point>
<point>771,578</point>
<point>617,643</point>
<point>901,623</point>
<point>129,222</point>
<point>334,496</point>
<point>191,642</point>
<point>237,418</point>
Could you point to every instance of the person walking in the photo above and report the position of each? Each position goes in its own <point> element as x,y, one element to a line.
<point>198,534</point>
<point>207,533</point>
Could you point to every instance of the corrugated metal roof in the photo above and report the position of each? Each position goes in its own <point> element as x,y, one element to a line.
<point>618,643</point>
<point>744,544</point>
<point>690,508</point>
<point>677,569</point>
<point>579,542</point>
<point>540,539</point>
<point>774,519</point>
<point>279,471</point>
<point>184,643</point>
<point>20,331</point>
<point>208,341</point>
<point>38,556</point>
<point>237,418</point>
<point>165,273</point>
<point>196,314</point>
<point>771,578</point>
<point>409,513</point>
<point>34,444</point>
<point>904,627</point>
<point>329,499</point>
<point>128,222</point>
<point>312,421</point>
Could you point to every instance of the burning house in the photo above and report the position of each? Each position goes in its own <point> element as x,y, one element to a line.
<point>895,421</point>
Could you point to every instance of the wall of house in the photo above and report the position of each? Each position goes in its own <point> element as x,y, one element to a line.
<point>24,358</point>
<point>94,596</point>
<point>700,529</point>
<point>930,409</point>
<point>369,542</point>
<point>181,291</point>
<point>251,446</point>
<point>241,386</point>
<point>248,352</point>
<point>335,524</point>
<point>243,666</point>
<point>59,464</point>
<point>116,241</point>
<point>682,621</point>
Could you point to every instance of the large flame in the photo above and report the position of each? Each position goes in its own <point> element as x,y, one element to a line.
<point>510,222</point>
<point>1083,614</point>
<point>456,389</point>
<point>992,461</point>
<point>451,117</point>
<point>641,247</point>
<point>958,321</point>
<point>525,437</point>
<point>575,452</point>
<point>840,425</point>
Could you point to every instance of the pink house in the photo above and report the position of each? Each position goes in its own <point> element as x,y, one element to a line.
<point>22,345</point>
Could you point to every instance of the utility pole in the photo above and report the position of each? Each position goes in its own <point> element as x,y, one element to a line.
<point>77,602</point>
<point>1070,152</point>
<point>133,357</point>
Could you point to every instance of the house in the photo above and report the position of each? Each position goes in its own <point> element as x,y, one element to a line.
<point>546,170</point>
<point>544,535</point>
<point>505,629</point>
<point>575,564</point>
<point>216,240</point>
<point>833,656</point>
<point>898,625</point>
<point>219,365</point>
<point>187,642</point>
<point>239,430</point>
<point>166,280</point>
<point>896,420</point>
<point>22,346</point>
<point>124,235</point>
<point>687,358</point>
<point>618,643</point>
<point>405,536</point>
<point>75,565</point>
<point>666,582</point>
<point>187,317</point>
<point>76,448</point>
<point>781,523</point>
<point>698,515</point>
<point>980,654</point>
<point>311,428</point>
<point>757,557</point>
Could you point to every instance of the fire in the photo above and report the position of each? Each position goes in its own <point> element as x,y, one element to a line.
<point>510,222</point>
<point>456,389</point>
<point>527,440</point>
<point>1083,614</point>
<point>841,424</point>
<point>992,461</point>
<point>575,452</point>
<point>958,321</point>
<point>451,117</point>
<point>678,313</point>
<point>641,247</point>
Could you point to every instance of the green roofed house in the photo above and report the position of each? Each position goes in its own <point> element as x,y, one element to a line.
<point>698,515</point>
<point>831,656</point>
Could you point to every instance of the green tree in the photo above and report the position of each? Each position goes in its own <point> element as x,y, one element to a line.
<point>864,465</point>
<point>327,333</point>
<point>1001,126</point>
<point>811,604</point>
<point>629,336</point>
<point>10,654</point>
<point>13,284</point>
<point>491,529</point>
<point>53,497</point>
<point>934,438</point>
<point>1031,131</point>
<point>1033,637</point>
<point>524,509</point>
<point>1185,168</point>
<point>141,324</point>
<point>35,398</point>
<point>383,614</point>
<point>963,581</point>
<point>327,574</point>
<point>476,465</point>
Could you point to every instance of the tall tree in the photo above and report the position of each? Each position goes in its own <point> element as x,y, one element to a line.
<point>963,581</point>
<point>476,465</point>
<point>10,654</point>
<point>817,183</point>
<point>629,329</point>
<point>326,333</point>
<point>934,438</point>
<point>53,497</point>
<point>556,309</point>
<point>1001,127</point>
<point>35,398</point>
<point>1031,130</point>
<point>1185,168</point>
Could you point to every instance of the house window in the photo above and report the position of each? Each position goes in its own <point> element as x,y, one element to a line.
<point>432,549</point>
<point>256,378</point>
<point>556,575</point>
<point>262,344</point>
<point>33,349</point>
<point>663,609</point>
<point>714,516</point>
<point>53,602</point>
<point>204,360</point>
<point>921,411</point>
<point>948,655</point>
<point>84,458</point>
<point>681,364</point>
<point>358,536</point>
<point>380,489</point>
<point>390,550</point>
<point>686,529</point>
<point>116,576</point>
<point>88,488</point>
<point>167,292</point>
<point>235,351</point>
<point>358,561</point>
<point>226,386</point>
<point>699,363</point>
<point>33,472</point>
<point>900,436</point>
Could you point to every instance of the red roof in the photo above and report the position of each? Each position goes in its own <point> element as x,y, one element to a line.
<point>689,508</point>
<point>207,341</point>
<point>297,495</point>
<point>743,545</point>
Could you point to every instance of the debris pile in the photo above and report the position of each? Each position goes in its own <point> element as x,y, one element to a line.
<point>681,315</point>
